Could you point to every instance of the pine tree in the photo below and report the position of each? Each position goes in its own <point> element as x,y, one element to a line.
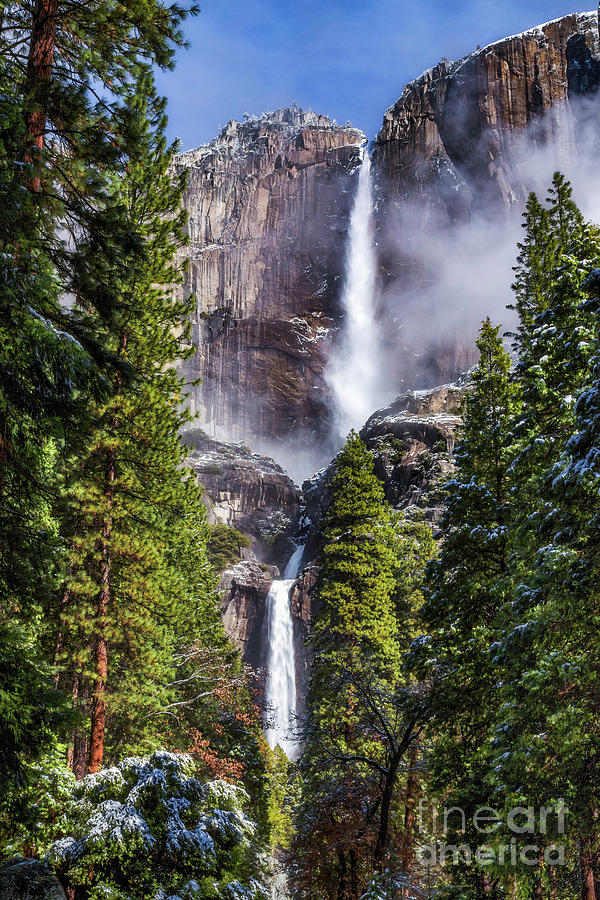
<point>370,569</point>
<point>45,377</point>
<point>358,562</point>
<point>549,233</point>
<point>137,575</point>
<point>551,695</point>
<point>70,66</point>
<point>466,593</point>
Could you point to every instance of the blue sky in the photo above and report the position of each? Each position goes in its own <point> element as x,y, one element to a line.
<point>347,59</point>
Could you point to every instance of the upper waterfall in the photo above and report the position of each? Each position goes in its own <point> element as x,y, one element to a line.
<point>353,372</point>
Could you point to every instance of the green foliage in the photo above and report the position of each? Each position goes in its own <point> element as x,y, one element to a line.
<point>510,599</point>
<point>358,562</point>
<point>281,796</point>
<point>110,633</point>
<point>29,820</point>
<point>225,545</point>
<point>136,523</point>
<point>369,591</point>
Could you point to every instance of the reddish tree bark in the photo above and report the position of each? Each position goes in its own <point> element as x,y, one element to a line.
<point>588,887</point>
<point>98,720</point>
<point>77,753</point>
<point>39,68</point>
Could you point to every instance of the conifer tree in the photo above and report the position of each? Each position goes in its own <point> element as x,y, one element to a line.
<point>45,376</point>
<point>550,743</point>
<point>465,593</point>
<point>137,576</point>
<point>362,722</point>
<point>71,66</point>
<point>357,564</point>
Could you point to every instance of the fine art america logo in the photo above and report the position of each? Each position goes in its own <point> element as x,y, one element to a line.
<point>519,838</point>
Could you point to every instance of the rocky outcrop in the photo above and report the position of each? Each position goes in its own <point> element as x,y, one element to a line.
<point>244,589</point>
<point>253,494</point>
<point>301,605</point>
<point>455,139</point>
<point>412,442</point>
<point>268,203</point>
<point>29,879</point>
<point>465,143</point>
<point>246,490</point>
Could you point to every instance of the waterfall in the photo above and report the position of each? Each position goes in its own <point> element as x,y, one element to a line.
<point>353,372</point>
<point>281,668</point>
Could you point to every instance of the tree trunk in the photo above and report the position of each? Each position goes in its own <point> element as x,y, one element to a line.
<point>39,72</point>
<point>342,869</point>
<point>538,891</point>
<point>98,722</point>
<point>588,887</point>
<point>353,876</point>
<point>77,756</point>
<point>407,845</point>
<point>60,638</point>
<point>386,803</point>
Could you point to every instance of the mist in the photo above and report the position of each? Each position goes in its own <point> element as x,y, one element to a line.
<point>455,274</point>
<point>447,276</point>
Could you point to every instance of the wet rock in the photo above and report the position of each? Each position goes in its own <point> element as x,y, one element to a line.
<point>268,203</point>
<point>246,490</point>
<point>29,879</point>
<point>244,589</point>
<point>412,441</point>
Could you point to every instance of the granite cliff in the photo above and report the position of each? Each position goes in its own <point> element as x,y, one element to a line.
<point>268,203</point>
<point>463,146</point>
<point>456,139</point>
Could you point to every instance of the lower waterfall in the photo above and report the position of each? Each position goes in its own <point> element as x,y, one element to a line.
<point>280,693</point>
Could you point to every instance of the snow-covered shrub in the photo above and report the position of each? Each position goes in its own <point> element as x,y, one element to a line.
<point>147,829</point>
<point>392,886</point>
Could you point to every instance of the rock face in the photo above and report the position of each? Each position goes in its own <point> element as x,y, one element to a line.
<point>465,143</point>
<point>454,140</point>
<point>268,203</point>
<point>28,879</point>
<point>244,589</point>
<point>246,490</point>
<point>412,441</point>
<point>253,494</point>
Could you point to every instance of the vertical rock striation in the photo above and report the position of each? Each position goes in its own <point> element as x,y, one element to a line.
<point>268,203</point>
<point>466,142</point>
<point>456,139</point>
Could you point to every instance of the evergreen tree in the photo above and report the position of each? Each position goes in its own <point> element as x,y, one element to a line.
<point>466,592</point>
<point>363,716</point>
<point>63,235</point>
<point>46,376</point>
<point>137,576</point>
<point>358,562</point>
<point>549,744</point>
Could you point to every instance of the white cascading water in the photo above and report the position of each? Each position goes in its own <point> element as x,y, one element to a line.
<point>281,664</point>
<point>353,372</point>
